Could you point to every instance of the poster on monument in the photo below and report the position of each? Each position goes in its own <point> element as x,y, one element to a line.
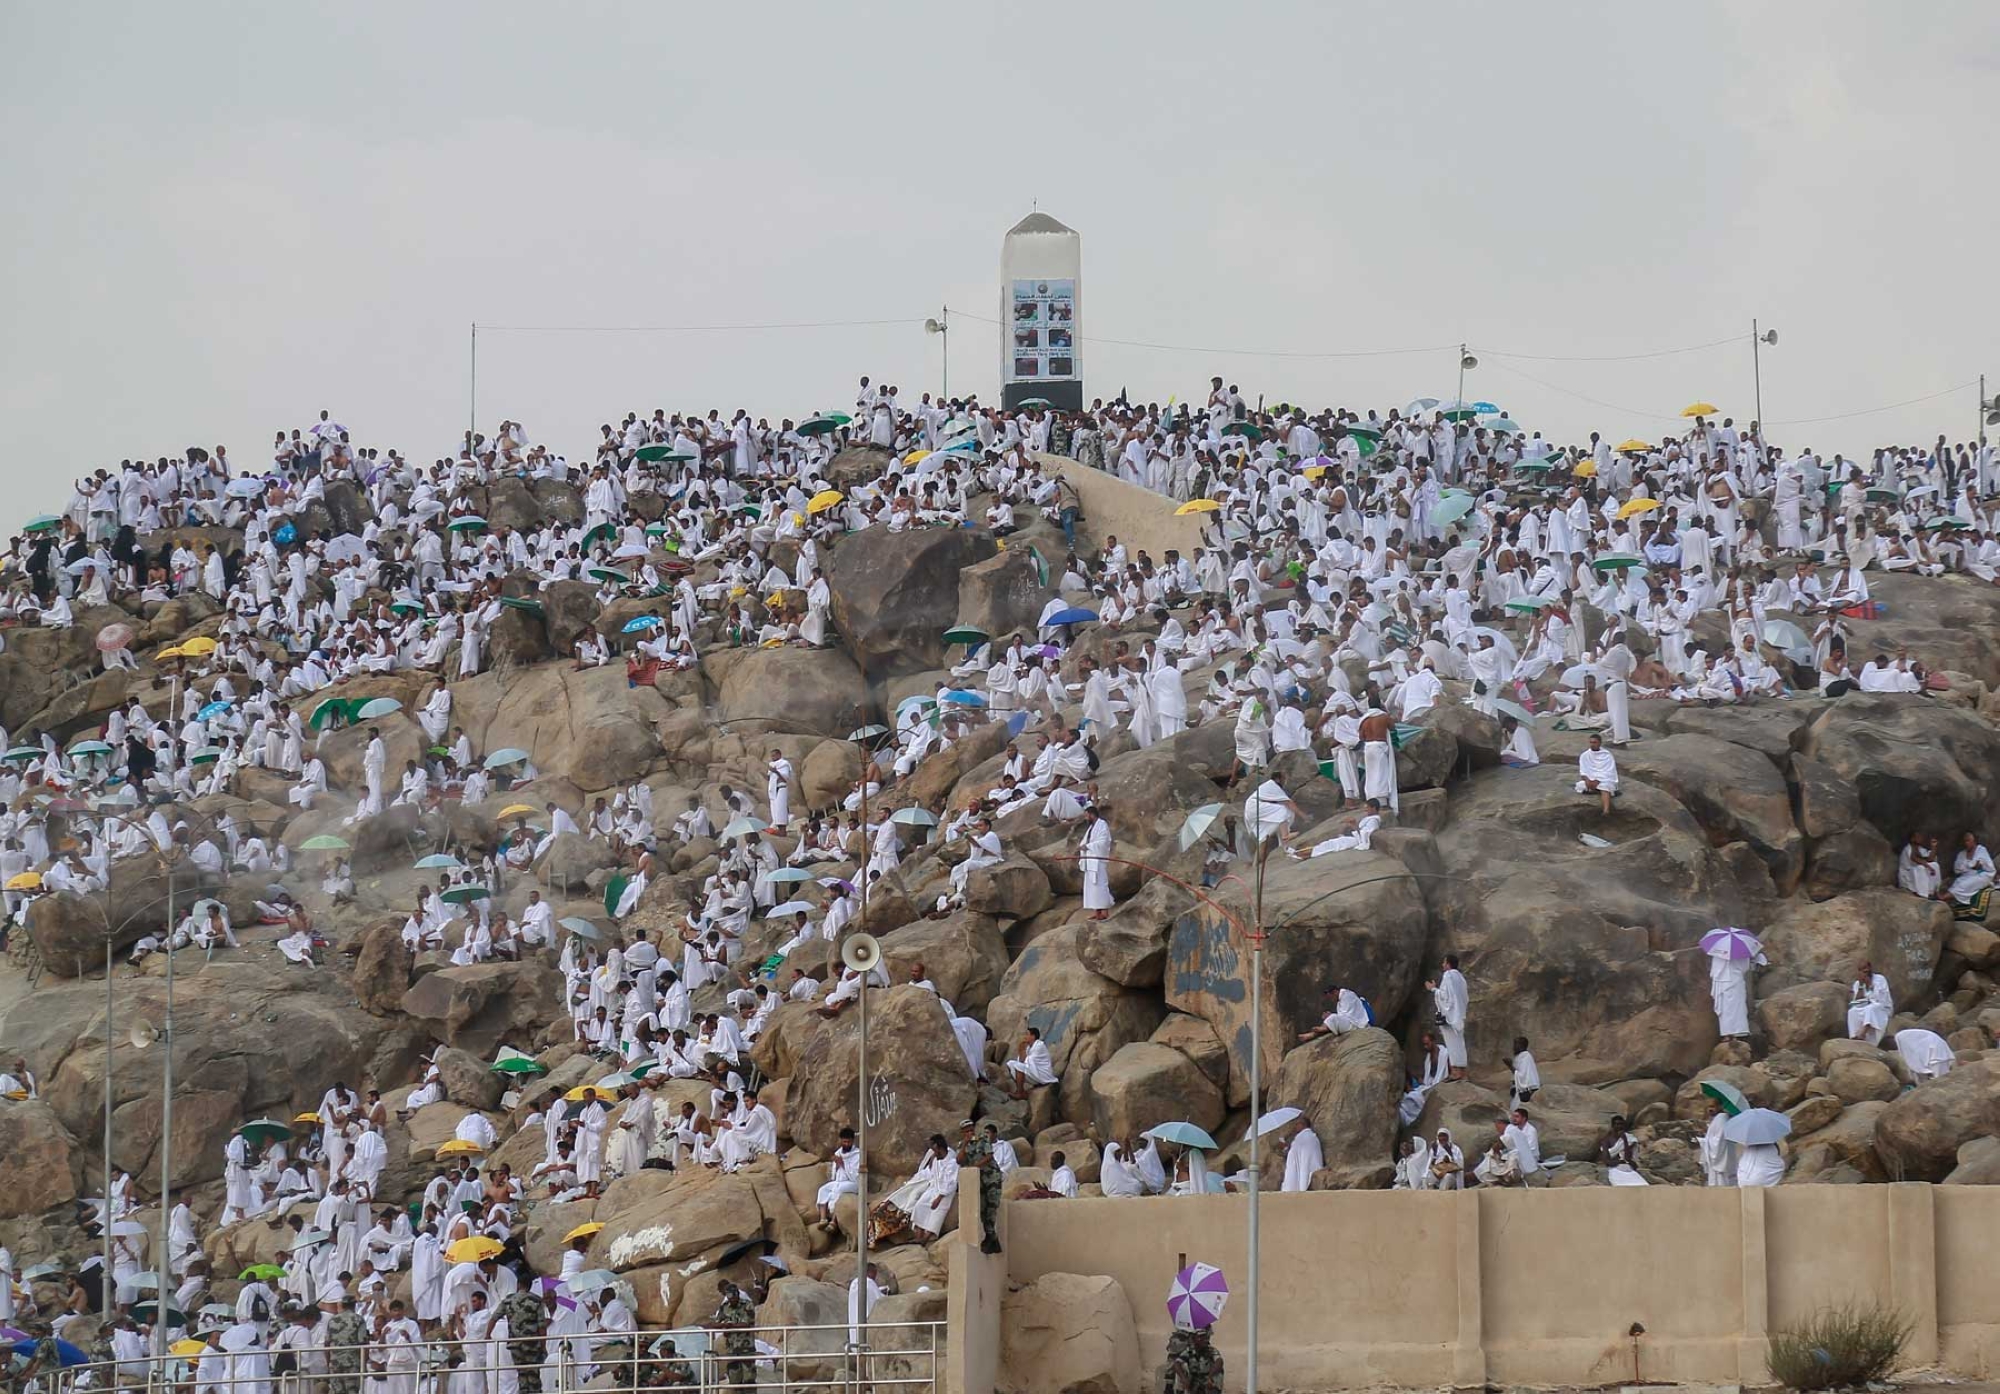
<point>1043,326</point>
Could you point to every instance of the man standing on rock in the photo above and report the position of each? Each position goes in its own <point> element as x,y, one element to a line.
<point>975,1151</point>
<point>1451,998</point>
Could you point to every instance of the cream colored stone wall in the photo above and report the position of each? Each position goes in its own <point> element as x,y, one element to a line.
<point>1535,1287</point>
<point>1141,519</point>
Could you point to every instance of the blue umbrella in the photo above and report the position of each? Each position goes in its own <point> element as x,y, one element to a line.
<point>642,624</point>
<point>959,697</point>
<point>212,709</point>
<point>66,1354</point>
<point>438,861</point>
<point>501,758</point>
<point>786,875</point>
<point>1016,724</point>
<point>1076,614</point>
<point>1187,1134</point>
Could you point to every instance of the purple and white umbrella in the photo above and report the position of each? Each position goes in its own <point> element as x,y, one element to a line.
<point>1732,943</point>
<point>1197,1296</point>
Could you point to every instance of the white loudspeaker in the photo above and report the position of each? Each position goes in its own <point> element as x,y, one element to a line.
<point>142,1034</point>
<point>861,952</point>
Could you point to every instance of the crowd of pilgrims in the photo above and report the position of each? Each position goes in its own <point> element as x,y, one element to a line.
<point>1434,543</point>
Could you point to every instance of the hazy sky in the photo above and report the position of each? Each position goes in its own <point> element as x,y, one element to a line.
<point>224,217</point>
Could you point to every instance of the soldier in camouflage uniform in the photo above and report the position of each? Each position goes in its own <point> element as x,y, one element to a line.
<point>734,1318</point>
<point>976,1151</point>
<point>1194,1365</point>
<point>665,1370</point>
<point>346,1340</point>
<point>527,1332</point>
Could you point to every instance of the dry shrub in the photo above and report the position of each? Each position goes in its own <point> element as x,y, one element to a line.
<point>1839,1347</point>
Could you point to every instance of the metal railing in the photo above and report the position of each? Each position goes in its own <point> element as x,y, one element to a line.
<point>902,1356</point>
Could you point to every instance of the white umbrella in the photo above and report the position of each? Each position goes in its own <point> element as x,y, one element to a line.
<point>1757,1126</point>
<point>1198,823</point>
<point>244,488</point>
<point>790,907</point>
<point>746,824</point>
<point>633,549</point>
<point>1276,1119</point>
<point>914,817</point>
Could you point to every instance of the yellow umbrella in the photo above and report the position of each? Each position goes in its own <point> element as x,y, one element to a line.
<point>1700,409</point>
<point>583,1232</point>
<point>189,1347</point>
<point>474,1249</point>
<point>200,647</point>
<point>164,654</point>
<point>1634,507</point>
<point>1197,506</point>
<point>1633,445</point>
<point>584,1093</point>
<point>307,1118</point>
<point>513,808</point>
<point>914,456</point>
<point>1586,470</point>
<point>26,881</point>
<point>1313,471</point>
<point>460,1147</point>
<point>824,500</point>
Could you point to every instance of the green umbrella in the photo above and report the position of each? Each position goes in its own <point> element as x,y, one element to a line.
<point>819,425</point>
<point>41,523</point>
<point>1879,495</point>
<point>206,755</point>
<point>1402,733</point>
<point>1243,429</point>
<point>260,1272</point>
<point>520,1065</point>
<point>438,861</point>
<point>1617,561</point>
<point>1450,510</point>
<point>470,522</point>
<point>144,1311</point>
<point>1528,604</point>
<point>520,602</point>
<point>1533,466</point>
<point>22,752</point>
<point>652,452</point>
<point>325,842</point>
<point>264,1131</point>
<point>966,634</point>
<point>605,573</point>
<point>333,709</point>
<point>405,607</point>
<point>1728,1095</point>
<point>1034,402</point>
<point>614,891</point>
<point>459,895</point>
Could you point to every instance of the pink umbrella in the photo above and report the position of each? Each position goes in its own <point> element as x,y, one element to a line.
<point>114,637</point>
<point>1197,1296</point>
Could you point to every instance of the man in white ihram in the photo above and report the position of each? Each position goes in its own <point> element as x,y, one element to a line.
<point>1729,991</point>
<point>1597,769</point>
<point>1452,998</point>
<point>1303,1157</point>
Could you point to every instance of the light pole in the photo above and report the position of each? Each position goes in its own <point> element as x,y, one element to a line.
<point>1757,341</point>
<point>941,326</point>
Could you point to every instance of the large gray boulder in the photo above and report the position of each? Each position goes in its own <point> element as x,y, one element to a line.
<point>1146,1084</point>
<point>1003,594</point>
<point>483,1006</point>
<point>1586,949</point>
<point>1356,918</point>
<point>1826,941</point>
<point>1916,764</point>
<point>792,689</point>
<point>911,1050</point>
<point>1918,1134</point>
<point>1084,1018</point>
<point>895,594</point>
<point>1348,1087</point>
